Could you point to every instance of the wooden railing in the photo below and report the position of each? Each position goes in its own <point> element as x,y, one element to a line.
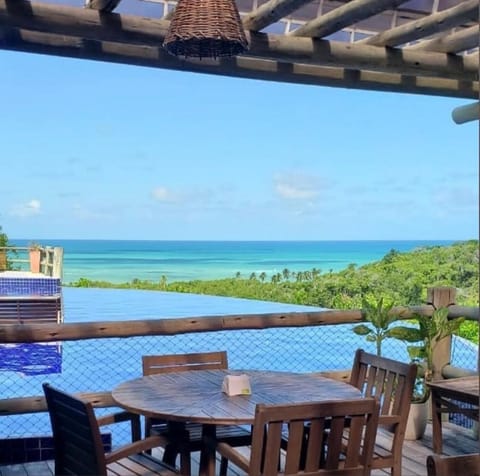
<point>17,258</point>
<point>24,333</point>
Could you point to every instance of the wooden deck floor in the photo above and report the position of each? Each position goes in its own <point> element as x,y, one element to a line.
<point>456,440</point>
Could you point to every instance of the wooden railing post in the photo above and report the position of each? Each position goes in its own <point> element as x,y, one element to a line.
<point>443,296</point>
<point>57,271</point>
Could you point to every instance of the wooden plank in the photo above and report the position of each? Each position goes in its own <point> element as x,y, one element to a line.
<point>413,462</point>
<point>465,39</point>
<point>238,67</point>
<point>90,25</point>
<point>22,405</point>
<point>343,16</point>
<point>15,334</point>
<point>21,309</point>
<point>463,12</point>
<point>270,12</point>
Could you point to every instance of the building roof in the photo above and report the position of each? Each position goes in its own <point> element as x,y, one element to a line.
<point>419,46</point>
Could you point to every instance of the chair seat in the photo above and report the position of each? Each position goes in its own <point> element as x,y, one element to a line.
<point>139,465</point>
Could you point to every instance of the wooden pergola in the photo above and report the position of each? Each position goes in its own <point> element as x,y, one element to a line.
<point>426,47</point>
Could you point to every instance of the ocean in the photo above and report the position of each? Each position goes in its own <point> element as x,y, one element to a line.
<point>120,261</point>
<point>100,364</point>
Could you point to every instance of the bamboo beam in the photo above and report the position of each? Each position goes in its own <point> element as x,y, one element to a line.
<point>82,23</point>
<point>148,327</point>
<point>343,16</point>
<point>270,12</point>
<point>465,39</point>
<point>102,5</point>
<point>239,67</point>
<point>24,333</point>
<point>426,26</point>
<point>91,25</point>
<point>352,56</point>
<point>467,113</point>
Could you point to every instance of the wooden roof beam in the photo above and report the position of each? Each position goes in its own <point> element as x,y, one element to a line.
<point>346,15</point>
<point>465,39</point>
<point>239,67</point>
<point>102,5</point>
<point>270,12</point>
<point>467,113</point>
<point>363,57</point>
<point>427,26</point>
<point>71,21</point>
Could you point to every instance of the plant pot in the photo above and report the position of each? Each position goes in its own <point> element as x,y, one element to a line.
<point>35,261</point>
<point>417,420</point>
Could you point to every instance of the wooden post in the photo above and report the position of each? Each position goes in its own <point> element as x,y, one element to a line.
<point>57,271</point>
<point>3,260</point>
<point>443,296</point>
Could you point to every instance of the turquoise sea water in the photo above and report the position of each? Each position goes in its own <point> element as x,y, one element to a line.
<point>122,261</point>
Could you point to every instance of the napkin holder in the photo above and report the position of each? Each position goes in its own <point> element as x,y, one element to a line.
<point>236,385</point>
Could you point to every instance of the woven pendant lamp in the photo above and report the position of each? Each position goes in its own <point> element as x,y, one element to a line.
<point>205,29</point>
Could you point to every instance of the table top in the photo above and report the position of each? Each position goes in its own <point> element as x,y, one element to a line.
<point>197,395</point>
<point>463,386</point>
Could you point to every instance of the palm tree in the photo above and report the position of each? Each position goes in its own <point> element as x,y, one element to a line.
<point>4,243</point>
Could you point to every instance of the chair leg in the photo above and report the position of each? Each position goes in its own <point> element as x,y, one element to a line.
<point>170,454</point>
<point>223,466</point>
<point>136,430</point>
<point>397,469</point>
<point>185,463</point>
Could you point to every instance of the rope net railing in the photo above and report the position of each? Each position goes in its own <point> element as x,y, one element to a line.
<point>98,365</point>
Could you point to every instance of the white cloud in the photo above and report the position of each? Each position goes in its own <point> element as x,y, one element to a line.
<point>29,209</point>
<point>163,194</point>
<point>297,186</point>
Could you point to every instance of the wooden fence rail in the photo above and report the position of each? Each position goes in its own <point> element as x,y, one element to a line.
<point>24,333</point>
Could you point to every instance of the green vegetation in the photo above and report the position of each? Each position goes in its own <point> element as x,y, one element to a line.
<point>379,321</point>
<point>430,331</point>
<point>402,278</point>
<point>5,262</point>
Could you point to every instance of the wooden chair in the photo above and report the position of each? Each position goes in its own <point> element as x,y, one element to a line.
<point>192,432</point>
<point>78,444</point>
<point>318,452</point>
<point>466,465</point>
<point>392,383</point>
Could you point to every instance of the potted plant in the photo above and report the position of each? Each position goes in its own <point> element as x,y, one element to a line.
<point>423,340</point>
<point>35,257</point>
<point>379,320</point>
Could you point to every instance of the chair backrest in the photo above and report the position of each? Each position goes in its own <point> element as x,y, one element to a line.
<point>76,436</point>
<point>318,451</point>
<point>466,465</point>
<point>157,364</point>
<point>391,382</point>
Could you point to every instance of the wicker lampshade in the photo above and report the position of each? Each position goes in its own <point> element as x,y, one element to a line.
<point>205,29</point>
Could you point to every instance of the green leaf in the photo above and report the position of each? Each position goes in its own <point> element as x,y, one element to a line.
<point>362,330</point>
<point>416,352</point>
<point>408,334</point>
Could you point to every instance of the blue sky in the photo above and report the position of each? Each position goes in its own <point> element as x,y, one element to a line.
<point>98,150</point>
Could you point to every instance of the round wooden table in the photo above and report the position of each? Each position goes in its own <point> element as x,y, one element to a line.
<point>196,396</point>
